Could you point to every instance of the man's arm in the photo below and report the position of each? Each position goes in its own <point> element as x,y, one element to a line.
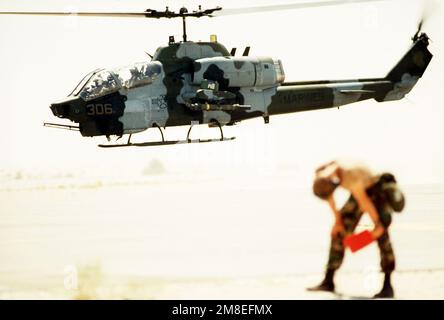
<point>366,205</point>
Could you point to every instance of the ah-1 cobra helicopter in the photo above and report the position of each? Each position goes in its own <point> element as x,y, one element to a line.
<point>203,83</point>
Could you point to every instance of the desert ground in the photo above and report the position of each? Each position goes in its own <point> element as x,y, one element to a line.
<point>171,236</point>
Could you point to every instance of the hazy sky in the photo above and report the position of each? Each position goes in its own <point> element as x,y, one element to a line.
<point>43,58</point>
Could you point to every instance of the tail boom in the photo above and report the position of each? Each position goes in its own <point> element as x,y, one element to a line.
<point>313,95</point>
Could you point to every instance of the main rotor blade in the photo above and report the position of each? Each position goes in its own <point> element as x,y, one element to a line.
<point>81,14</point>
<point>215,12</point>
<point>148,13</point>
<point>288,6</point>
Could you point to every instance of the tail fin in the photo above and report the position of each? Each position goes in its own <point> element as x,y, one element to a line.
<point>411,67</point>
<point>414,62</point>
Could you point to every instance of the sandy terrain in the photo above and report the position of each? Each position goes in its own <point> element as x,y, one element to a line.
<point>168,236</point>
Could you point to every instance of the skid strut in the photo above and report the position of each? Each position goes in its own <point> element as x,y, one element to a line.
<point>220,129</point>
<point>161,132</point>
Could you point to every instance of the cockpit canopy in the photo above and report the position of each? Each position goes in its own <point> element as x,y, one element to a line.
<point>99,84</point>
<point>102,82</point>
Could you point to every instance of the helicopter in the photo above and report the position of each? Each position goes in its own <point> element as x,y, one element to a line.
<point>189,83</point>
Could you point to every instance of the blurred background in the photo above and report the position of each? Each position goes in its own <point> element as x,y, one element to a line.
<point>221,220</point>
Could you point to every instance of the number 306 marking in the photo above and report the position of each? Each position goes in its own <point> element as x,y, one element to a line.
<point>99,109</point>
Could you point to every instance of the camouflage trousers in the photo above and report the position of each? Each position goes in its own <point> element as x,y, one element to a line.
<point>351,214</point>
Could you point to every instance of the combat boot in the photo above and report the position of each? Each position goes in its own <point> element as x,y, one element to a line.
<point>323,286</point>
<point>387,289</point>
<point>327,284</point>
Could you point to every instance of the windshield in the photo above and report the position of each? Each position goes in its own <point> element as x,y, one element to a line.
<point>102,82</point>
<point>139,74</point>
<point>82,83</point>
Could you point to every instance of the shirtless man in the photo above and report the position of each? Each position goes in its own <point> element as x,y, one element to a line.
<point>365,196</point>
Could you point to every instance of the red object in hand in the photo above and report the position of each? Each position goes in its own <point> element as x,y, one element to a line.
<point>358,241</point>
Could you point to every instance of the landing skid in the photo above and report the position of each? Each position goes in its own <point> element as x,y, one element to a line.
<point>162,143</point>
<point>166,142</point>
